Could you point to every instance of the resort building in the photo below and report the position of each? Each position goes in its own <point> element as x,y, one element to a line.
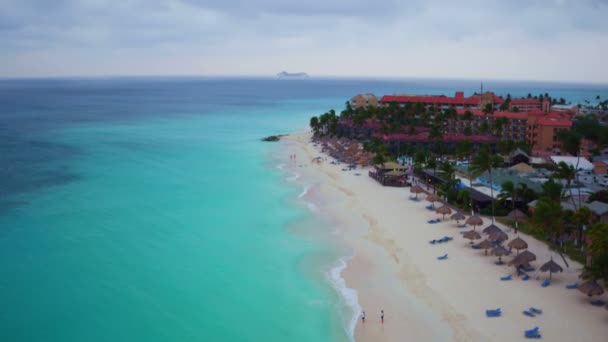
<point>364,101</point>
<point>459,101</point>
<point>526,105</point>
<point>543,130</point>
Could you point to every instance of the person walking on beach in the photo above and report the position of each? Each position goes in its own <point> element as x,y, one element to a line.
<point>363,316</point>
<point>382,316</point>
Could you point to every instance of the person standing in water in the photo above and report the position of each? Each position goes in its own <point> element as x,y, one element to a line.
<point>363,316</point>
<point>382,316</point>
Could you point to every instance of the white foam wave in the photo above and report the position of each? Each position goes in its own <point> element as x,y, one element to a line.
<point>281,166</point>
<point>313,207</point>
<point>304,192</point>
<point>348,295</point>
<point>294,178</point>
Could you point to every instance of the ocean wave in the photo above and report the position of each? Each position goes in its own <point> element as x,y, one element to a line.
<point>304,192</point>
<point>294,178</point>
<point>281,166</point>
<point>348,296</point>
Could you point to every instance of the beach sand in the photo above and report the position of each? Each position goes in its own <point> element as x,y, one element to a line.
<point>395,269</point>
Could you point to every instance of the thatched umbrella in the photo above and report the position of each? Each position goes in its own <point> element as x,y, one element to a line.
<point>471,235</point>
<point>433,198</point>
<point>474,221</point>
<point>522,260</point>
<point>591,288</point>
<point>499,251</point>
<point>485,244</point>
<point>527,256</point>
<point>416,189</point>
<point>518,243</point>
<point>498,236</point>
<point>444,210</point>
<point>458,217</point>
<point>491,229</point>
<point>552,267</point>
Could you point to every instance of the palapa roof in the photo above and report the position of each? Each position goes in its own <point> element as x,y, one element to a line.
<point>433,198</point>
<point>485,244</point>
<point>471,235</point>
<point>499,251</point>
<point>516,214</point>
<point>518,243</point>
<point>522,167</point>
<point>390,166</point>
<point>458,216</point>
<point>551,266</point>
<point>523,258</point>
<point>444,210</point>
<point>498,236</point>
<point>395,173</point>
<point>491,229</point>
<point>416,189</point>
<point>591,288</point>
<point>475,220</point>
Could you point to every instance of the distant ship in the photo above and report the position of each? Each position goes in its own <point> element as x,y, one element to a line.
<point>299,75</point>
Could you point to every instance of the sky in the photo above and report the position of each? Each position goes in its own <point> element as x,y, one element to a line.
<point>564,40</point>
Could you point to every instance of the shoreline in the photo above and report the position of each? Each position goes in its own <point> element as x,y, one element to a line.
<point>395,269</point>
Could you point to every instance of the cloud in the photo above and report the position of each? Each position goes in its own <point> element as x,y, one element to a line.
<point>542,39</point>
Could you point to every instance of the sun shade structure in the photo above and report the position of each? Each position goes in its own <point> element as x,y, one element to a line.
<point>458,216</point>
<point>471,235</point>
<point>485,245</point>
<point>474,221</point>
<point>552,267</point>
<point>433,198</point>
<point>491,229</point>
<point>518,243</point>
<point>390,166</point>
<point>498,236</point>
<point>395,173</point>
<point>522,259</point>
<point>516,215</point>
<point>591,288</point>
<point>445,210</point>
<point>499,251</point>
<point>416,189</point>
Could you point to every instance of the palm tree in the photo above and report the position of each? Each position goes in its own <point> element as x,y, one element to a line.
<point>567,173</point>
<point>485,162</point>
<point>548,216</point>
<point>314,124</point>
<point>509,190</point>
<point>582,217</point>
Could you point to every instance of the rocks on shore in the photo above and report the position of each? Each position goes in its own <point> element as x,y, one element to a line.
<point>273,137</point>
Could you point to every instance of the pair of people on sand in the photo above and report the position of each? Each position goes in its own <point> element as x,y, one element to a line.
<point>381,316</point>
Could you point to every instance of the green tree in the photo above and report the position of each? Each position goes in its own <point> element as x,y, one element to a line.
<point>552,190</point>
<point>598,249</point>
<point>314,124</point>
<point>485,161</point>
<point>567,173</point>
<point>488,109</point>
<point>548,218</point>
<point>509,191</point>
<point>582,219</point>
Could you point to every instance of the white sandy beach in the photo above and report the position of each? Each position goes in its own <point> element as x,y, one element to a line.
<point>394,268</point>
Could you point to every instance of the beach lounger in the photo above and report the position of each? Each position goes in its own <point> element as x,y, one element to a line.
<point>525,277</point>
<point>528,269</point>
<point>546,283</point>
<point>433,221</point>
<point>505,278</point>
<point>494,313</point>
<point>532,333</point>
<point>536,311</point>
<point>598,302</point>
<point>475,247</point>
<point>443,257</point>
<point>432,242</point>
<point>529,313</point>
<point>572,286</point>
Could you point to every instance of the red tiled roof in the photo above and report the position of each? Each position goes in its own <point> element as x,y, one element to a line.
<point>526,102</point>
<point>536,112</point>
<point>554,121</point>
<point>511,115</point>
<point>446,137</point>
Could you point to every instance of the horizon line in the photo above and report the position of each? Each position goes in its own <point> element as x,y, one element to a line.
<point>310,77</point>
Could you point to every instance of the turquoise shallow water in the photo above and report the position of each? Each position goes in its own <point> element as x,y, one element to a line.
<point>148,210</point>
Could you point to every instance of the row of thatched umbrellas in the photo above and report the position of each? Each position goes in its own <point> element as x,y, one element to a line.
<point>496,236</point>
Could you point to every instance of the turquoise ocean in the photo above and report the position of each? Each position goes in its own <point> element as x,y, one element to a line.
<point>148,209</point>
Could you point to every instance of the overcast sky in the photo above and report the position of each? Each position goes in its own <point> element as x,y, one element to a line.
<point>511,39</point>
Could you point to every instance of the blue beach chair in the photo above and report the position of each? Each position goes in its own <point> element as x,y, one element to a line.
<point>525,277</point>
<point>546,283</point>
<point>443,257</point>
<point>572,286</point>
<point>506,278</point>
<point>432,242</point>
<point>598,302</point>
<point>529,313</point>
<point>532,333</point>
<point>494,313</point>
<point>536,311</point>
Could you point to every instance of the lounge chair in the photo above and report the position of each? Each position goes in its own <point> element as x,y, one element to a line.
<point>528,269</point>
<point>443,257</point>
<point>432,242</point>
<point>475,247</point>
<point>529,313</point>
<point>536,311</point>
<point>572,286</point>
<point>430,207</point>
<point>525,277</point>
<point>494,313</point>
<point>505,278</point>
<point>598,302</point>
<point>532,333</point>
<point>433,221</point>
<point>546,283</point>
